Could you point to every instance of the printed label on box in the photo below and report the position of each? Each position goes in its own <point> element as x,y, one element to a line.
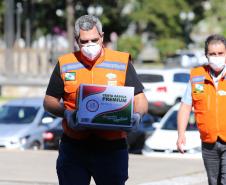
<point>100,104</point>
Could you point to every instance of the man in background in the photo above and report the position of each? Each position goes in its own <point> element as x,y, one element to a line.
<point>206,92</point>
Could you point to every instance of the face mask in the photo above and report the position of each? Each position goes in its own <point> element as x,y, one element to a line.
<point>217,63</point>
<point>91,50</point>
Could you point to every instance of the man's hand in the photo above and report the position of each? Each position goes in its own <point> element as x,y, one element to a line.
<point>181,141</point>
<point>136,120</point>
<point>70,116</point>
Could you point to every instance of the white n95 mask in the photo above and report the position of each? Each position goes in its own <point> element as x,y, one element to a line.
<point>217,63</point>
<point>91,50</point>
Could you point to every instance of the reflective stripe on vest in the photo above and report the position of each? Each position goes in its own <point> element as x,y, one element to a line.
<point>71,66</point>
<point>112,65</point>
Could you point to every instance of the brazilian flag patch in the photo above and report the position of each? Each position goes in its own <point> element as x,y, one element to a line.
<point>70,76</point>
<point>199,88</point>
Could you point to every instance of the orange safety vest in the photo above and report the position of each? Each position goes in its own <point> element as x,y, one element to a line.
<point>209,104</point>
<point>74,72</point>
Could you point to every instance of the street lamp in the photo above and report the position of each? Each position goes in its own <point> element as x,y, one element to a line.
<point>187,17</point>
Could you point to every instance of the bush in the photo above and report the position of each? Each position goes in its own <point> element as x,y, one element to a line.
<point>168,46</point>
<point>130,44</point>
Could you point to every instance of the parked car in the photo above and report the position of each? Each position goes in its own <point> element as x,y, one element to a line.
<point>52,136</point>
<point>135,140</point>
<point>164,138</point>
<point>163,87</point>
<point>22,122</point>
<point>186,59</point>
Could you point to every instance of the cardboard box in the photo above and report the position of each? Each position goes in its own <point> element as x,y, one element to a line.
<point>105,107</point>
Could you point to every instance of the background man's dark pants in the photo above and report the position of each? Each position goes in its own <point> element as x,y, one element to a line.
<point>214,157</point>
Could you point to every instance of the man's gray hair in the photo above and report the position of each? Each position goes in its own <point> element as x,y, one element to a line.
<point>86,23</point>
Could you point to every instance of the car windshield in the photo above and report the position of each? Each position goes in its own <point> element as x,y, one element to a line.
<point>171,122</point>
<point>17,114</point>
<point>181,77</point>
<point>150,78</point>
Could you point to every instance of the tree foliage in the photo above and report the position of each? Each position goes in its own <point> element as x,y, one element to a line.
<point>44,19</point>
<point>129,44</point>
<point>159,18</point>
<point>162,18</point>
<point>167,46</point>
<point>1,17</point>
<point>216,10</point>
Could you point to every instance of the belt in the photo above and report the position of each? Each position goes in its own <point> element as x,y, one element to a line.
<point>95,143</point>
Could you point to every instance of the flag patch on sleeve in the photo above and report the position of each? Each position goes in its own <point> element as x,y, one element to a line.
<point>199,88</point>
<point>70,76</point>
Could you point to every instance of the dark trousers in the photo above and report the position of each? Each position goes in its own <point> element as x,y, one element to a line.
<point>76,166</point>
<point>214,157</point>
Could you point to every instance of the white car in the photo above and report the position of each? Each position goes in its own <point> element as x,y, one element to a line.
<point>164,138</point>
<point>163,87</point>
<point>186,59</point>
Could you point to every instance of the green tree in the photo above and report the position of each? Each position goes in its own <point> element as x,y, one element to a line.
<point>43,15</point>
<point>1,17</point>
<point>112,18</point>
<point>167,46</point>
<point>216,11</point>
<point>161,19</point>
<point>130,44</point>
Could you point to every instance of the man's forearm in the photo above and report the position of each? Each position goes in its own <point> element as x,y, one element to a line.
<point>140,104</point>
<point>53,106</point>
<point>183,117</point>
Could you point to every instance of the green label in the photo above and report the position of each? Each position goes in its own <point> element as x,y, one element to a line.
<point>120,116</point>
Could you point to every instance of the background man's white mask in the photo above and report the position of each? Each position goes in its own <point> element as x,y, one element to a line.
<point>217,63</point>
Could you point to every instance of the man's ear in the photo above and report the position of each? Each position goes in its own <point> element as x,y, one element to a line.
<point>77,40</point>
<point>76,45</point>
<point>102,37</point>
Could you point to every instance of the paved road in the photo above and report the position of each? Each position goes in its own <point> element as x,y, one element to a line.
<point>38,168</point>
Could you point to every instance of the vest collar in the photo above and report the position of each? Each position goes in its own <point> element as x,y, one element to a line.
<point>220,76</point>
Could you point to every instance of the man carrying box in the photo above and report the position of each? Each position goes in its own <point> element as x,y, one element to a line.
<point>89,152</point>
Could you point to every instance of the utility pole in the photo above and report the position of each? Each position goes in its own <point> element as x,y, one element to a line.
<point>9,36</point>
<point>19,11</point>
<point>28,23</point>
<point>70,23</point>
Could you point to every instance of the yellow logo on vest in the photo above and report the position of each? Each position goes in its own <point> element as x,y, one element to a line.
<point>70,76</point>
<point>112,79</point>
<point>222,93</point>
<point>199,88</point>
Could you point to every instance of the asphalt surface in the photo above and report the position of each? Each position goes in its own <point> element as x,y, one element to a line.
<point>38,168</point>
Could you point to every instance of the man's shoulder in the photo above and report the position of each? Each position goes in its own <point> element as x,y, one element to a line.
<point>107,50</point>
<point>199,69</point>
<point>69,56</point>
<point>199,73</point>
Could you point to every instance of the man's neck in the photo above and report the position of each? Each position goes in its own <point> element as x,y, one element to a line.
<point>216,73</point>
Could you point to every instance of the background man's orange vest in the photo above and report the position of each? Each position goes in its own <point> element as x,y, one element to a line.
<point>209,105</point>
<point>109,68</point>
